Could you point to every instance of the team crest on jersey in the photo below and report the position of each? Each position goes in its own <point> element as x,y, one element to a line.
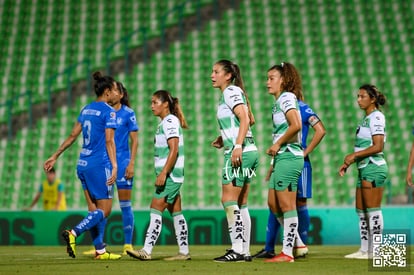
<point>119,121</point>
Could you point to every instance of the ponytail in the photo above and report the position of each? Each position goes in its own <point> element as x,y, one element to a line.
<point>173,106</point>
<point>236,78</point>
<point>124,91</point>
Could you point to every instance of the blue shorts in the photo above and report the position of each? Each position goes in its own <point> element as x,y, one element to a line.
<point>121,181</point>
<point>305,182</point>
<point>94,180</point>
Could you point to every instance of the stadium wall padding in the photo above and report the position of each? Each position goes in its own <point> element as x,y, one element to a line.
<point>329,226</point>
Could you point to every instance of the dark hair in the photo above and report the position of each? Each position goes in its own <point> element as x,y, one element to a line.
<point>373,92</point>
<point>173,105</point>
<point>102,83</point>
<point>124,91</point>
<point>236,78</point>
<point>51,171</point>
<point>291,79</point>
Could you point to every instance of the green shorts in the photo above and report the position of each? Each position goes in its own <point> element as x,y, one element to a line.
<point>287,169</point>
<point>373,173</point>
<point>169,191</point>
<point>241,175</point>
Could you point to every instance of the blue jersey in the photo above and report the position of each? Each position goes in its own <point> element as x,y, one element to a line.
<point>309,119</point>
<point>95,118</point>
<point>126,122</point>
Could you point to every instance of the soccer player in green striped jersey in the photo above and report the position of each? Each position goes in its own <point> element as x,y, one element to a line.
<point>169,168</point>
<point>372,168</point>
<point>284,84</point>
<point>240,156</point>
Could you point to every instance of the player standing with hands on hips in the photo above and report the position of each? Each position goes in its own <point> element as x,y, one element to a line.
<point>169,168</point>
<point>372,168</point>
<point>97,167</point>
<point>240,156</point>
<point>284,83</point>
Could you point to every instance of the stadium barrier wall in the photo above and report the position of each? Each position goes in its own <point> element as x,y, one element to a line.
<point>329,226</point>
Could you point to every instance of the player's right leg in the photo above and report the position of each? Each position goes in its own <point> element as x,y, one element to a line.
<point>158,204</point>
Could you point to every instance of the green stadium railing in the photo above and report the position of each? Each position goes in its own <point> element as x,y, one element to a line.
<point>68,72</point>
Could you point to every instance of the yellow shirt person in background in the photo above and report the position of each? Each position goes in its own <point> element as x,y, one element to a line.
<point>52,191</point>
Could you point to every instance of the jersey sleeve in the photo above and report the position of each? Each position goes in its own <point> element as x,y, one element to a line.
<point>61,188</point>
<point>308,115</point>
<point>132,123</point>
<point>80,117</point>
<point>377,124</point>
<point>287,102</point>
<point>110,119</point>
<point>233,96</point>
<point>171,127</point>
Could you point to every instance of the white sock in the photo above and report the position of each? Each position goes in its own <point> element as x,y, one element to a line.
<point>153,231</point>
<point>290,231</point>
<point>244,211</point>
<point>299,242</point>
<point>235,224</point>
<point>376,224</point>
<point>181,232</point>
<point>363,230</point>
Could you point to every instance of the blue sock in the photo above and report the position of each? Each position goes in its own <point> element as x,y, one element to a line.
<point>90,221</point>
<point>127,220</point>
<point>304,221</point>
<point>271,232</point>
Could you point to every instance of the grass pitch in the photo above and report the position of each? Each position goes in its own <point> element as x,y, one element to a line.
<point>54,260</point>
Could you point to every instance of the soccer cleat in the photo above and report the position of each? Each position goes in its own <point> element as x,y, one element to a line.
<point>126,248</point>
<point>179,257</point>
<point>358,255</point>
<point>70,240</point>
<point>91,251</point>
<point>300,251</point>
<point>264,254</point>
<point>107,256</point>
<point>230,256</point>
<point>281,258</point>
<point>139,254</point>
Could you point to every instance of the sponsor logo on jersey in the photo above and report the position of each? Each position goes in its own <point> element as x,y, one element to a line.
<point>91,112</point>
<point>112,115</point>
<point>119,121</point>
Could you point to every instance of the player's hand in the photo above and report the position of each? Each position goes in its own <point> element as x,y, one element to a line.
<point>113,176</point>
<point>161,178</point>
<point>129,172</point>
<point>269,173</point>
<point>409,179</point>
<point>218,142</point>
<point>236,157</point>
<point>272,151</point>
<point>349,159</point>
<point>49,163</point>
<point>342,169</point>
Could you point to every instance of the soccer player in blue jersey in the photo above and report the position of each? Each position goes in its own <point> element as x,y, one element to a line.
<point>125,156</point>
<point>97,166</point>
<point>309,119</point>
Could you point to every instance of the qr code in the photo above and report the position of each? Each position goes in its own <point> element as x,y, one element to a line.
<point>389,250</point>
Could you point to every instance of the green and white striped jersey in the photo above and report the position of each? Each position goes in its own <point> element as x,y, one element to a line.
<point>168,128</point>
<point>371,125</point>
<point>228,121</point>
<point>285,102</point>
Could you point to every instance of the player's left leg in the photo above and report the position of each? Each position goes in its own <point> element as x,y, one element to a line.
<point>244,211</point>
<point>181,231</point>
<point>124,196</point>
